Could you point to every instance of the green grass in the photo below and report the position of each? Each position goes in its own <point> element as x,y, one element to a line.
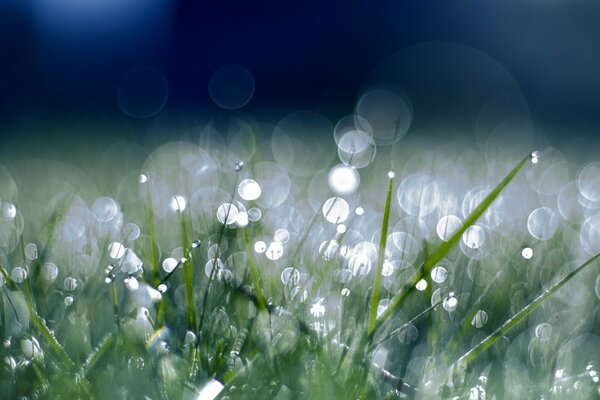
<point>227,316</point>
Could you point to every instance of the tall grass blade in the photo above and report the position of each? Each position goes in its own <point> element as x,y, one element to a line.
<point>521,315</point>
<point>445,247</point>
<point>380,258</point>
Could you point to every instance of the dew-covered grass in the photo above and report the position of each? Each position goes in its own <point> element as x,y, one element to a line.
<point>241,264</point>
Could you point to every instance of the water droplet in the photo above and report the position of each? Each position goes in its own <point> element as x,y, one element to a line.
<point>254,214</point>
<point>196,243</point>
<point>535,157</point>
<point>131,231</point>
<point>317,308</point>
<point>227,213</point>
<point>345,292</point>
<point>408,334</point>
<point>447,226</point>
<point>70,283</point>
<point>142,178</point>
<point>18,274</point>
<point>104,209</point>
<point>31,251</point>
<point>249,189</point>
<point>480,319</point>
<point>543,331</point>
<point>116,250</point>
<point>238,166</point>
<point>343,180</point>
<point>68,300</point>
<point>282,236</point>
<point>391,174</point>
<point>359,265</point>
<point>260,247</point>
<point>336,210</point>
<point>450,302</point>
<point>162,288</point>
<point>527,253</point>
<point>439,274</point>
<point>9,211</point>
<point>177,203</point>
<point>474,237</point>
<point>169,264</point>
<point>421,285</point>
<point>290,276</point>
<point>108,280</point>
<point>542,223</point>
<point>132,284</point>
<point>274,251</point>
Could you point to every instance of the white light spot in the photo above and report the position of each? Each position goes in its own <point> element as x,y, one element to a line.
<point>421,285</point>
<point>343,179</point>
<point>249,189</point>
<point>177,203</point>
<point>260,247</point>
<point>527,253</point>
<point>116,250</point>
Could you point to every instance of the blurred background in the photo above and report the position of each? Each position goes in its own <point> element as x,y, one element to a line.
<point>82,69</point>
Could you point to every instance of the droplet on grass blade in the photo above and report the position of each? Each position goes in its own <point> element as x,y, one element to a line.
<point>18,274</point>
<point>31,251</point>
<point>343,180</point>
<point>480,319</point>
<point>527,253</point>
<point>169,264</point>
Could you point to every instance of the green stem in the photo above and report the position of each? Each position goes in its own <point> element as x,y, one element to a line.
<point>380,258</point>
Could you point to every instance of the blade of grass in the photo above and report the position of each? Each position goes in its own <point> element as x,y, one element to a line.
<point>521,315</point>
<point>380,256</point>
<point>445,247</point>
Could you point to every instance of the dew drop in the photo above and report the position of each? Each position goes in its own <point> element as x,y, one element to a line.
<point>31,251</point>
<point>116,250</point>
<point>480,319</point>
<point>543,331</point>
<point>249,189</point>
<point>275,251</point>
<point>421,285</point>
<point>142,178</point>
<point>439,274</point>
<point>169,264</point>
<point>18,274</point>
<point>450,302</point>
<point>260,247</point>
<point>196,243</point>
<point>345,292</point>
<point>70,283</point>
<point>336,210</point>
<point>68,300</point>
<point>527,253</point>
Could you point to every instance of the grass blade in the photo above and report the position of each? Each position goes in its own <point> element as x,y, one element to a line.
<point>380,256</point>
<point>445,247</point>
<point>521,315</point>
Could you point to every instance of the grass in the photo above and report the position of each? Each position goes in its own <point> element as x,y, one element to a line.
<point>226,320</point>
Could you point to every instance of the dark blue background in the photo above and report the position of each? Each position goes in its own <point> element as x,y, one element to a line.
<point>309,54</point>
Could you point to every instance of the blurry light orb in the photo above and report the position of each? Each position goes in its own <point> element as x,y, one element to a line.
<point>275,251</point>
<point>474,237</point>
<point>132,284</point>
<point>254,214</point>
<point>177,203</point>
<point>388,268</point>
<point>9,211</point>
<point>421,285</point>
<point>391,174</point>
<point>588,181</point>
<point>317,309</point>
<point>116,250</point>
<point>18,274</point>
<point>249,189</point>
<point>543,331</point>
<point>447,226</point>
<point>343,180</point>
<point>68,300</point>
<point>31,251</point>
<point>328,249</point>
<point>231,87</point>
<point>105,209</point>
<point>70,283</point>
<point>142,178</point>
<point>450,302</point>
<point>542,223</point>
<point>480,319</point>
<point>260,247</point>
<point>49,271</point>
<point>169,264</point>
<point>439,274</point>
<point>408,334</point>
<point>336,210</point>
<point>359,265</point>
<point>282,236</point>
<point>290,276</point>
<point>131,231</point>
<point>527,253</point>
<point>242,220</point>
<point>359,211</point>
<point>227,213</point>
<point>341,228</point>
<point>142,92</point>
